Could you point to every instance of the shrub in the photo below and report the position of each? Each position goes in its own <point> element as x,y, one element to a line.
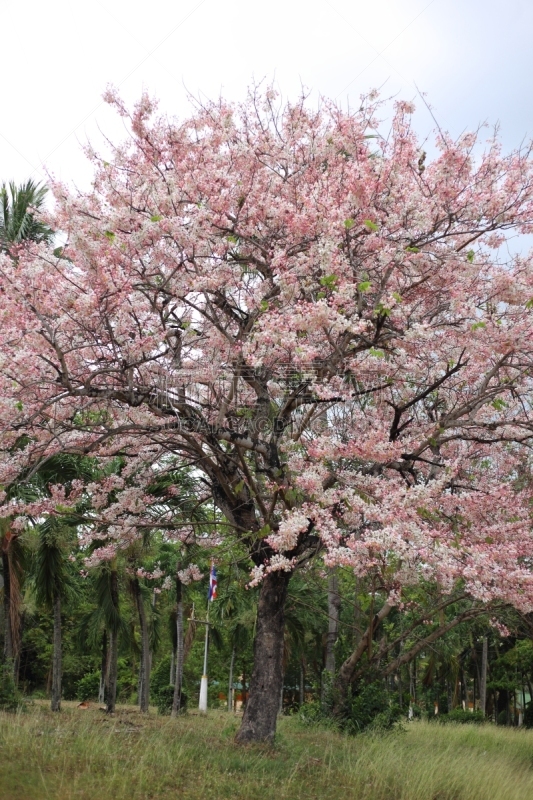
<point>313,713</point>
<point>161,692</point>
<point>372,709</point>
<point>88,687</point>
<point>462,717</point>
<point>528,715</point>
<point>10,697</point>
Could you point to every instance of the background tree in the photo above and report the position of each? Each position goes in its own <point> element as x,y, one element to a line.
<point>18,222</point>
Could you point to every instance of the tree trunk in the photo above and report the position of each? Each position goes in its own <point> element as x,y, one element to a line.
<point>56,658</point>
<point>103,669</point>
<point>334,602</point>
<point>230,680</point>
<point>259,720</point>
<point>302,685</point>
<point>483,677</point>
<point>8,635</point>
<point>172,677</point>
<point>144,672</point>
<point>348,668</point>
<point>113,649</point>
<point>178,683</point>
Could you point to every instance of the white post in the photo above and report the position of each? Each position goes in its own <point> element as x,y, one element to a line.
<point>202,705</point>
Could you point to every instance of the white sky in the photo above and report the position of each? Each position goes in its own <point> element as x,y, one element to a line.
<point>473,59</point>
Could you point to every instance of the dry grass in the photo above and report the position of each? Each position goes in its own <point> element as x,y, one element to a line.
<point>84,755</point>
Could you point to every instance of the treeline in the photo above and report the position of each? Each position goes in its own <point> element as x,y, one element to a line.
<point>120,623</point>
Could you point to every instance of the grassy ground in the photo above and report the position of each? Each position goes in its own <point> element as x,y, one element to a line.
<point>84,755</point>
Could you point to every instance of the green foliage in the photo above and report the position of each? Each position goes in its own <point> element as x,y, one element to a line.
<point>10,698</point>
<point>161,692</point>
<point>528,715</point>
<point>458,715</point>
<point>314,714</point>
<point>372,709</point>
<point>88,687</point>
<point>17,224</point>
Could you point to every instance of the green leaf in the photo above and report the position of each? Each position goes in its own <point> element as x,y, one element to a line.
<point>110,235</point>
<point>156,218</point>
<point>499,404</point>
<point>349,223</point>
<point>382,310</point>
<point>397,297</point>
<point>470,256</point>
<point>370,225</point>
<point>376,353</point>
<point>529,303</point>
<point>329,281</point>
<point>19,405</point>
<point>364,286</point>
<point>263,305</point>
<point>477,325</point>
<point>412,249</point>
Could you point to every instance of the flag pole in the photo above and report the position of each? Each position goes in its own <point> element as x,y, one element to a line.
<point>202,705</point>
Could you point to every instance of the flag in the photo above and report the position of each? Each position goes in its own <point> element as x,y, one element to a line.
<point>212,595</point>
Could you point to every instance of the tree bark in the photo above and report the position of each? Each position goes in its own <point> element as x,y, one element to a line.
<point>8,635</point>
<point>144,672</point>
<point>334,603</point>
<point>178,683</point>
<point>260,715</point>
<point>172,677</point>
<point>113,649</point>
<point>483,677</point>
<point>56,658</point>
<point>348,668</point>
<point>103,669</point>
<point>230,680</point>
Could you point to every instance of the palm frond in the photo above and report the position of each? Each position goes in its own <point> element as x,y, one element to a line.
<point>17,222</point>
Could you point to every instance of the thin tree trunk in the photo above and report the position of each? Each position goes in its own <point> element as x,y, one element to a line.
<point>172,678</point>
<point>334,602</point>
<point>56,659</point>
<point>144,671</point>
<point>302,684</point>
<point>176,700</point>
<point>103,669</point>
<point>347,671</point>
<point>483,677</point>
<point>259,719</point>
<point>230,680</point>
<point>400,688</point>
<point>8,634</point>
<point>113,649</point>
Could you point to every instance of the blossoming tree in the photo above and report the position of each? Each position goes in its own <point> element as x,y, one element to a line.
<point>324,326</point>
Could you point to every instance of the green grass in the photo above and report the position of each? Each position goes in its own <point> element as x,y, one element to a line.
<point>84,755</point>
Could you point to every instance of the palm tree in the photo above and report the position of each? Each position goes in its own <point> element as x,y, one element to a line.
<point>53,581</point>
<point>107,617</point>
<point>18,223</point>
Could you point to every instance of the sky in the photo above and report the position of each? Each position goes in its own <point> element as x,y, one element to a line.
<point>472,59</point>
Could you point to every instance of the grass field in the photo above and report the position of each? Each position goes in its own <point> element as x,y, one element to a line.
<point>84,755</point>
